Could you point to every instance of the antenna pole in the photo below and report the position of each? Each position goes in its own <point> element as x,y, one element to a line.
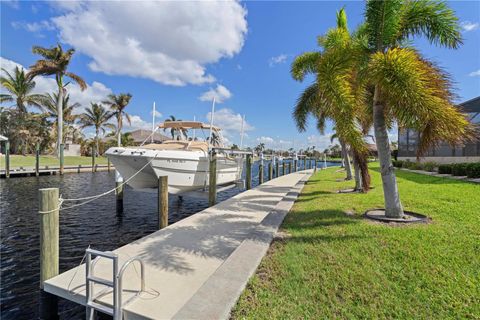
<point>241,133</point>
<point>153,121</point>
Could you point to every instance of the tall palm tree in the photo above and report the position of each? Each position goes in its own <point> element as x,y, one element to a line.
<point>96,116</point>
<point>337,93</point>
<point>181,131</point>
<point>117,104</point>
<point>49,106</point>
<point>345,155</point>
<point>408,88</point>
<point>55,62</point>
<point>260,147</point>
<point>20,89</point>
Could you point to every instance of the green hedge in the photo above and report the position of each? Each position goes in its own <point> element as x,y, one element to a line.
<point>445,169</point>
<point>471,170</point>
<point>459,169</point>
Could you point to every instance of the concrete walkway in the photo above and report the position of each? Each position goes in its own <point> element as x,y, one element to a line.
<point>197,267</point>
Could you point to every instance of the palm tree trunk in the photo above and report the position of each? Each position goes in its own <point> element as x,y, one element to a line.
<point>358,178</point>
<point>59,118</point>
<point>96,143</point>
<point>346,159</point>
<point>119,128</point>
<point>393,206</point>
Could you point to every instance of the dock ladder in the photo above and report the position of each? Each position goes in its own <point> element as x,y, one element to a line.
<point>116,311</point>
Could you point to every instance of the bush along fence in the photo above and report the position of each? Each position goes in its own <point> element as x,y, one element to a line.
<point>471,170</point>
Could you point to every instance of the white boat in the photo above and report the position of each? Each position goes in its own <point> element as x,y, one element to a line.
<point>185,161</point>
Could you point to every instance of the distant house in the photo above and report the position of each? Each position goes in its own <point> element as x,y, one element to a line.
<point>71,149</point>
<point>140,135</point>
<point>444,153</point>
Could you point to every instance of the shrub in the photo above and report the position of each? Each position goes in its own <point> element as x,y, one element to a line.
<point>445,169</point>
<point>429,166</point>
<point>473,170</point>
<point>398,163</point>
<point>459,169</point>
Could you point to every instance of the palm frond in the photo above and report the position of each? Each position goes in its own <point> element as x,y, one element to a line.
<point>304,64</point>
<point>382,22</point>
<point>77,79</point>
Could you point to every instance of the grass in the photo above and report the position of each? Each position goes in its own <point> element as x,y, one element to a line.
<point>17,161</point>
<point>334,264</point>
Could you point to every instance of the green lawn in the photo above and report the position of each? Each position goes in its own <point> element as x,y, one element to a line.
<point>338,265</point>
<point>29,161</point>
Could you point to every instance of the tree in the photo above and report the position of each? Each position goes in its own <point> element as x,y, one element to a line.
<point>215,141</point>
<point>97,116</point>
<point>235,147</point>
<point>260,147</point>
<point>344,154</point>
<point>337,93</point>
<point>408,88</point>
<point>19,89</point>
<point>49,106</point>
<point>173,131</point>
<point>117,104</point>
<point>55,62</point>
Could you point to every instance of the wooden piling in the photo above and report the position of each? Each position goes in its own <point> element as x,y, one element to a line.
<point>119,195</point>
<point>315,165</point>
<point>277,168</point>
<point>61,158</point>
<point>49,249</point>
<point>79,168</point>
<point>295,166</point>
<point>270,171</point>
<point>290,167</point>
<point>260,172</point>
<point>108,165</point>
<point>284,172</point>
<point>93,159</point>
<point>7,159</point>
<point>212,181</point>
<point>162,202</point>
<point>37,160</point>
<point>248,176</point>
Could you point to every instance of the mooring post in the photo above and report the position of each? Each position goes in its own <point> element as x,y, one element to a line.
<point>290,167</point>
<point>7,159</point>
<point>108,165</point>
<point>277,168</point>
<point>93,159</point>
<point>49,249</point>
<point>315,163</point>
<point>249,172</point>
<point>79,167</point>
<point>61,158</point>
<point>37,159</point>
<point>295,166</point>
<point>119,192</point>
<point>270,171</point>
<point>162,202</point>
<point>212,179</point>
<point>284,172</point>
<point>260,170</point>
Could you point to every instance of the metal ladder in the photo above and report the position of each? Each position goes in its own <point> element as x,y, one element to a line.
<point>116,284</point>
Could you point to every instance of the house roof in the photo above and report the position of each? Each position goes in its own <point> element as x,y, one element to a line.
<point>472,105</point>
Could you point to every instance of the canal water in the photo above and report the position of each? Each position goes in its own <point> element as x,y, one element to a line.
<point>95,224</point>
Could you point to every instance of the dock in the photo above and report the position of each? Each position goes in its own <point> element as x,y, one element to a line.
<point>198,267</point>
<point>52,170</point>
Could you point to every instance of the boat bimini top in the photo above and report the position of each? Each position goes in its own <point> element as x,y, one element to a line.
<point>186,125</point>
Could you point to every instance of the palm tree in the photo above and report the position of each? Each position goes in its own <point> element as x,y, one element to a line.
<point>96,116</point>
<point>49,106</point>
<point>260,147</point>
<point>337,94</point>
<point>408,88</point>
<point>345,155</point>
<point>55,62</point>
<point>174,131</point>
<point>215,141</point>
<point>19,87</point>
<point>117,104</point>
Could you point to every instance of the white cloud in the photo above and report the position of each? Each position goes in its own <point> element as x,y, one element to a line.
<point>95,91</point>
<point>277,60</point>
<point>34,26</point>
<point>136,123</point>
<point>475,73</point>
<point>469,26</point>
<point>220,93</point>
<point>171,43</point>
<point>229,121</point>
<point>157,114</point>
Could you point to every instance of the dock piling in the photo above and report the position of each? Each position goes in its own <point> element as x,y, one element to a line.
<point>270,171</point>
<point>108,165</point>
<point>79,168</point>
<point>249,172</point>
<point>295,166</point>
<point>7,159</point>
<point>212,181</point>
<point>284,172</point>
<point>315,163</point>
<point>277,168</point>
<point>119,192</point>
<point>260,170</point>
<point>37,160</point>
<point>162,202</point>
<point>290,167</point>
<point>93,159</point>
<point>49,249</point>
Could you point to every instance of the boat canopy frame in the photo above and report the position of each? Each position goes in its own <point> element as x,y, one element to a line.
<point>187,125</point>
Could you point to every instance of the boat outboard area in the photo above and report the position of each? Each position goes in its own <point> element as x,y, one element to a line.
<point>184,159</point>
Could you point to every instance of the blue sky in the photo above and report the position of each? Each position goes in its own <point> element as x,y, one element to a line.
<point>175,53</point>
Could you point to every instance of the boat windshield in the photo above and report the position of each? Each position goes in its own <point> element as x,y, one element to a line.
<point>192,131</point>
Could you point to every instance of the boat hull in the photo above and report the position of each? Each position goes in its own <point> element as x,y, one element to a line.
<point>186,170</point>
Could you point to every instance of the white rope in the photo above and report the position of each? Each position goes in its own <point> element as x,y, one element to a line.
<point>91,198</point>
<point>60,201</point>
<point>151,134</point>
